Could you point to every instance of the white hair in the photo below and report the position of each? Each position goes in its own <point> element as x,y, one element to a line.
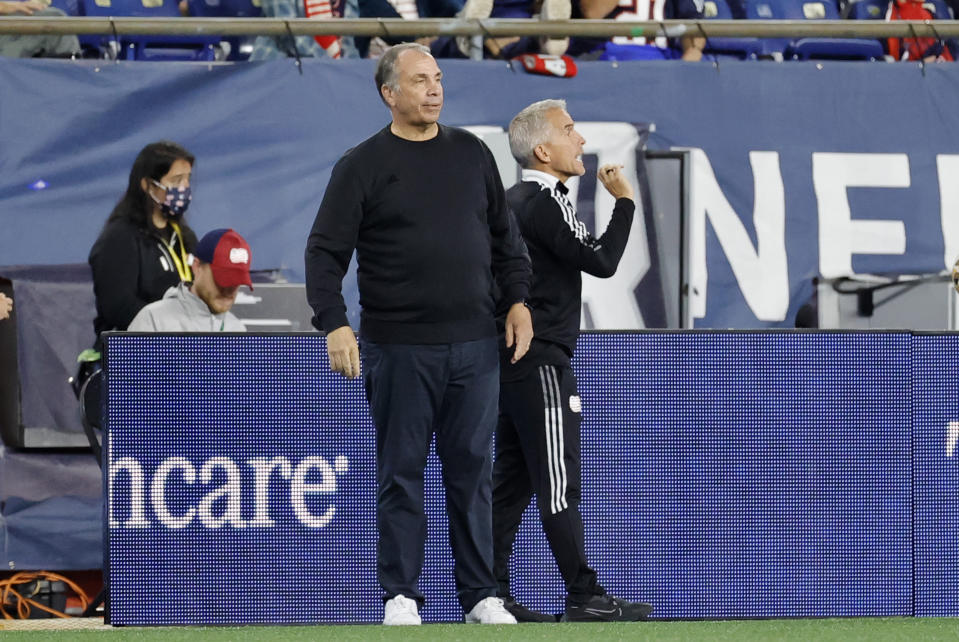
<point>530,128</point>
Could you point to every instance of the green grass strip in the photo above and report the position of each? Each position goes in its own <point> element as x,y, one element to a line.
<point>806,630</point>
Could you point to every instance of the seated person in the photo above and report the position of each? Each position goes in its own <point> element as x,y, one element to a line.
<point>915,49</point>
<point>689,47</point>
<point>510,47</point>
<point>408,10</point>
<point>35,45</point>
<point>273,47</point>
<point>221,264</point>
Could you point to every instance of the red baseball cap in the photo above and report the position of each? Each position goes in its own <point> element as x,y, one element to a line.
<point>228,255</point>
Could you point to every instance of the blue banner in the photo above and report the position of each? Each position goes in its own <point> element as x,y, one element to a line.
<point>725,475</point>
<point>798,169</point>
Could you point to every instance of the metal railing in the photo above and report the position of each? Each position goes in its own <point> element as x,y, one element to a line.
<point>488,28</point>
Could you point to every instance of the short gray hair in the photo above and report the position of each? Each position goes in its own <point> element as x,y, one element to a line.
<point>386,67</point>
<point>530,128</point>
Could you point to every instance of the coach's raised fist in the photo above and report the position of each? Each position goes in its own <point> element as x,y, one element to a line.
<point>615,181</point>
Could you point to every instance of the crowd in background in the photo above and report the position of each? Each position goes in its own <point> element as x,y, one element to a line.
<point>689,47</point>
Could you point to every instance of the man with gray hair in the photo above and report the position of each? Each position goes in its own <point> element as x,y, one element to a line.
<point>423,206</point>
<point>538,435</point>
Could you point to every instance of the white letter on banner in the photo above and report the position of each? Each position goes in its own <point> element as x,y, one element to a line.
<point>261,487</point>
<point>761,272</point>
<point>137,517</point>
<point>231,490</point>
<point>611,303</point>
<point>158,491</point>
<point>299,487</point>
<point>948,168</point>
<point>839,235</point>
<point>952,437</point>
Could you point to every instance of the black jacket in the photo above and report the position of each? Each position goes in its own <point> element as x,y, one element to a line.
<point>131,268</point>
<point>561,249</point>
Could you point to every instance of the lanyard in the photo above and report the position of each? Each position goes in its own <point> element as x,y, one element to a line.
<point>180,262</point>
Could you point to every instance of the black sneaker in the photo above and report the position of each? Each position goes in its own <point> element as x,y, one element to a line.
<point>523,614</point>
<point>606,608</point>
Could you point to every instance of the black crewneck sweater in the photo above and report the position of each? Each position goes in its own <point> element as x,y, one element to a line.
<point>431,228</point>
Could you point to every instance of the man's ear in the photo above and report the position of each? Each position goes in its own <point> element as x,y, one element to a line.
<point>387,94</point>
<point>541,154</point>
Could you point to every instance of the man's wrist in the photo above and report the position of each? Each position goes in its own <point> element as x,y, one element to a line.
<point>525,304</point>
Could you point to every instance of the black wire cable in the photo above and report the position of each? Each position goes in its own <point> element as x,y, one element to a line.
<point>922,62</point>
<point>296,51</point>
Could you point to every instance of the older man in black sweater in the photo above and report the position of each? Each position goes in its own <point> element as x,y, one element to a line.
<point>537,439</point>
<point>423,206</point>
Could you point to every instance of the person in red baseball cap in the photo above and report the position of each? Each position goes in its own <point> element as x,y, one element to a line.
<point>221,264</point>
<point>226,256</point>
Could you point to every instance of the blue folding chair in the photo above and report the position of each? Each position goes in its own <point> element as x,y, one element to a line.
<point>70,7</point>
<point>240,46</point>
<point>811,48</point>
<point>866,10</point>
<point>153,47</point>
<point>741,48</point>
<point>939,9</point>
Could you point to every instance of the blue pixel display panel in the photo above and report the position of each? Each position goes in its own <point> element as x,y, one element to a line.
<point>724,475</point>
<point>936,451</point>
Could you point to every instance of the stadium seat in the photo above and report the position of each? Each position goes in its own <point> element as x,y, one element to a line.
<point>742,48</point>
<point>938,8</point>
<point>866,10</point>
<point>811,48</point>
<point>152,47</point>
<point>69,7</point>
<point>240,47</point>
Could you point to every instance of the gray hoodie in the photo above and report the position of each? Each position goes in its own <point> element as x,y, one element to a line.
<point>182,311</point>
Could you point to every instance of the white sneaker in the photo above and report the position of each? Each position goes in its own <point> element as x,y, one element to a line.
<point>555,10</point>
<point>490,611</point>
<point>401,611</point>
<point>473,10</point>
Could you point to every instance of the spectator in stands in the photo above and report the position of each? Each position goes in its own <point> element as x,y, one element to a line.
<point>6,306</point>
<point>221,264</point>
<point>689,47</point>
<point>925,49</point>
<point>423,207</point>
<point>538,434</point>
<point>144,246</point>
<point>621,48</point>
<point>35,45</point>
<point>273,47</point>
<point>408,10</point>
<point>510,47</point>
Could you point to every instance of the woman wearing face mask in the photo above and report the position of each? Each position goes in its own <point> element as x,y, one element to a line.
<point>144,247</point>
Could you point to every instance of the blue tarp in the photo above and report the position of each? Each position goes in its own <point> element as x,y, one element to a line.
<point>51,511</point>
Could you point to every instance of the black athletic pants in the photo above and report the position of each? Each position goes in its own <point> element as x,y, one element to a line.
<point>538,452</point>
<point>414,391</point>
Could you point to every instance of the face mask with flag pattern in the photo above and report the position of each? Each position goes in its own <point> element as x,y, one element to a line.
<point>176,201</point>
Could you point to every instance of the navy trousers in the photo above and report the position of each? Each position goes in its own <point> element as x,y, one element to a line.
<point>415,391</point>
